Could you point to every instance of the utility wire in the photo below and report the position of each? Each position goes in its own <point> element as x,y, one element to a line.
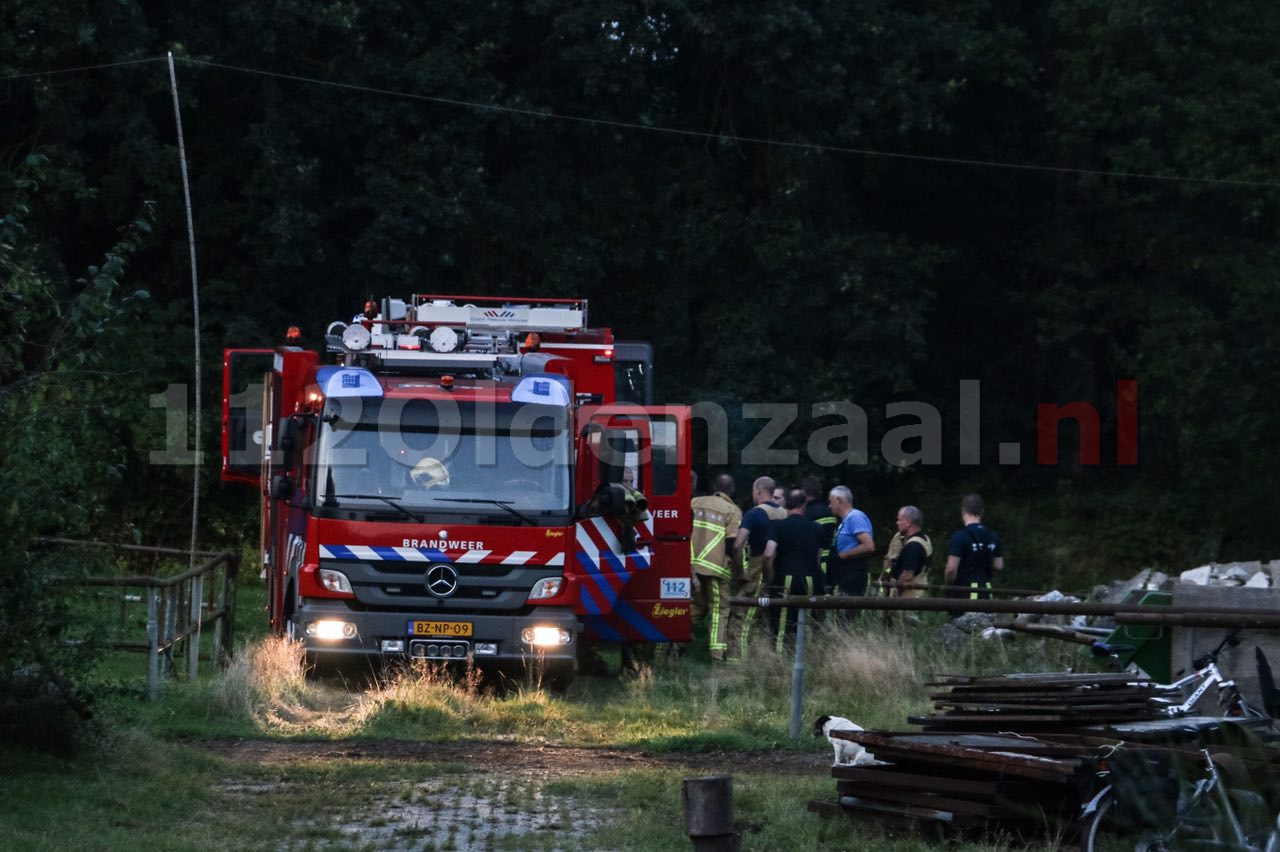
<point>675,131</point>
<point>54,71</point>
<point>728,137</point>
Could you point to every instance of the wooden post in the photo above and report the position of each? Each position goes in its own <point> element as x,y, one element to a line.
<point>708,813</point>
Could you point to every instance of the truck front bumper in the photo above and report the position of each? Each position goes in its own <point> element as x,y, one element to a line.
<point>333,631</point>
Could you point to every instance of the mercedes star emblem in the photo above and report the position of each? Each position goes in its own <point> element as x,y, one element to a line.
<point>442,580</point>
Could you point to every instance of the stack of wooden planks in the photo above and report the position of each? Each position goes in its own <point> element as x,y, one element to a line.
<point>1042,702</point>
<point>1019,784</point>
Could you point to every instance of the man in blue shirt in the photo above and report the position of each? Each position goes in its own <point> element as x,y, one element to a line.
<point>851,552</point>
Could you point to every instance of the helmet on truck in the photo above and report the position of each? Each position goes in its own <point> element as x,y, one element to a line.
<point>429,473</point>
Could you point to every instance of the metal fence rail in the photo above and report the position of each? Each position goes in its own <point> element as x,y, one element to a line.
<point>1260,618</point>
<point>179,608</point>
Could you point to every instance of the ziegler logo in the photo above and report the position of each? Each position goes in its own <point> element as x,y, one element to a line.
<point>555,533</point>
<point>663,611</point>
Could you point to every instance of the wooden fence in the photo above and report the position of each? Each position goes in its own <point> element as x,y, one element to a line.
<point>180,608</point>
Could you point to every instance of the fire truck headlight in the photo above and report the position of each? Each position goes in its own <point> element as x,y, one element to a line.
<point>547,587</point>
<point>544,637</point>
<point>334,581</point>
<point>330,630</point>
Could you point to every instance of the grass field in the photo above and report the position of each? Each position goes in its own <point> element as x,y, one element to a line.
<point>153,781</point>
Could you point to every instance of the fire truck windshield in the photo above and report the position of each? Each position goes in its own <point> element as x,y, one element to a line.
<point>428,456</point>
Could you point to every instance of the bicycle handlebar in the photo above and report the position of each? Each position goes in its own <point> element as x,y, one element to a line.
<point>1232,639</point>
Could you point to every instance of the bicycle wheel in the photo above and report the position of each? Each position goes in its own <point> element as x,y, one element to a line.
<point>1201,825</point>
<point>1092,830</point>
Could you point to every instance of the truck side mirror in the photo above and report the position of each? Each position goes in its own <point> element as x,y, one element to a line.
<point>282,487</point>
<point>288,442</point>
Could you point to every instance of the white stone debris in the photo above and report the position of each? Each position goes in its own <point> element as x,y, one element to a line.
<point>1259,581</point>
<point>1253,575</point>
<point>1197,576</point>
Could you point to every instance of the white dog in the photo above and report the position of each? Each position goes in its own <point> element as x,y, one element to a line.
<point>847,753</point>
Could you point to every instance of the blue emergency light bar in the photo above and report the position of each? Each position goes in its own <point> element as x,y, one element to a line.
<point>544,389</point>
<point>347,382</point>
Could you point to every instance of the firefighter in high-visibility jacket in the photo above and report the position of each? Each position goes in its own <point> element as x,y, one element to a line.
<point>715,529</point>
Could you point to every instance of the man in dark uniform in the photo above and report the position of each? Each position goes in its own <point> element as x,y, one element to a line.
<point>816,509</point>
<point>753,535</point>
<point>791,563</point>
<point>974,556</point>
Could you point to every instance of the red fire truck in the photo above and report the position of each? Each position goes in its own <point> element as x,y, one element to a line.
<point>464,479</point>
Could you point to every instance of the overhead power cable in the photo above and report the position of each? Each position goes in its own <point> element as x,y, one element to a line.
<point>55,71</point>
<point>676,131</point>
<point>730,137</point>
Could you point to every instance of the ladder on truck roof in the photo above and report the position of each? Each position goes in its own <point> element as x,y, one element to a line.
<point>435,332</point>
<point>501,313</point>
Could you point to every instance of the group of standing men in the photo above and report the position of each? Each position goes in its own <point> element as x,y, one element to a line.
<point>792,543</point>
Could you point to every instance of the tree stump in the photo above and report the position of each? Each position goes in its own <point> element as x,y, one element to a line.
<point>708,813</point>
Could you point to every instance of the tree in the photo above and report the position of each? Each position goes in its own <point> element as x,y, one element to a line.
<point>68,418</point>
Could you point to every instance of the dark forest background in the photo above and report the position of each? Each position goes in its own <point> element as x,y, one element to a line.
<point>767,255</point>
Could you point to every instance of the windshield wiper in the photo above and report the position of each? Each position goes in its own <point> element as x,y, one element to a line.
<point>505,504</point>
<point>390,501</point>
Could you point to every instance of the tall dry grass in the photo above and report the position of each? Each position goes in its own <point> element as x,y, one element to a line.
<point>870,673</point>
<point>862,671</point>
<point>272,671</point>
<point>267,685</point>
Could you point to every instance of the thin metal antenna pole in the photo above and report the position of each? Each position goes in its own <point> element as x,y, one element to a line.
<point>195,306</point>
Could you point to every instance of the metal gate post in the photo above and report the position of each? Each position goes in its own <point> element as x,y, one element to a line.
<point>170,628</point>
<point>232,570</point>
<point>797,676</point>
<point>153,648</point>
<point>193,638</point>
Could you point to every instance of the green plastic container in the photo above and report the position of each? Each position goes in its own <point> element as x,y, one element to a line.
<point>1152,643</point>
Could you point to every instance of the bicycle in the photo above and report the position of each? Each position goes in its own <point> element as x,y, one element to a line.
<point>1206,671</point>
<point>1207,812</point>
<point>1229,697</point>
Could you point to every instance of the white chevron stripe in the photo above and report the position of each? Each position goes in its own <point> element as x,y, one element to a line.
<point>360,551</point>
<point>472,556</point>
<point>519,557</point>
<point>585,544</point>
<point>412,554</point>
<point>556,560</point>
<point>602,527</point>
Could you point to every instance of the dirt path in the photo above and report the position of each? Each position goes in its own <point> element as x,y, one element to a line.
<point>527,759</point>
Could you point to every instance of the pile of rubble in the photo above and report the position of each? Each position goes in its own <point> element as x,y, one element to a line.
<point>1251,575</point>
<point>1254,575</point>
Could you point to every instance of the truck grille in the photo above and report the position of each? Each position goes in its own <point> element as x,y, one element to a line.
<point>402,586</point>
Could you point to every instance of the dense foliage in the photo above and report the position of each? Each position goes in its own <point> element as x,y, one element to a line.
<point>706,174</point>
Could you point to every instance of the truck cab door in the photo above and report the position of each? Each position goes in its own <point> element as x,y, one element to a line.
<point>640,591</point>
<point>243,385</point>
